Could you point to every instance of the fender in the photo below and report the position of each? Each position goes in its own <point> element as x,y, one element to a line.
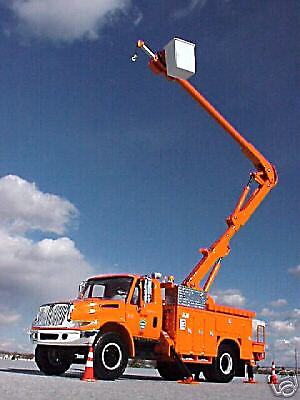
<point>121,331</point>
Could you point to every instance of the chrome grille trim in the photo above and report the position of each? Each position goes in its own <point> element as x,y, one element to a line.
<point>52,315</point>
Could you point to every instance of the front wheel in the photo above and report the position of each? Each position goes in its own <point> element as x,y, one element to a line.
<point>223,368</point>
<point>53,360</point>
<point>111,357</point>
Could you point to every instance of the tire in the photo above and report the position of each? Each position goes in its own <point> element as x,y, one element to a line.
<point>208,372</point>
<point>53,360</point>
<point>111,357</point>
<point>223,368</point>
<point>168,371</point>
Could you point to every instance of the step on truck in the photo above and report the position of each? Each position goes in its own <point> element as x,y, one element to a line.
<point>180,326</point>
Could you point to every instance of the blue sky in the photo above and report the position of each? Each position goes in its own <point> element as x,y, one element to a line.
<point>106,168</point>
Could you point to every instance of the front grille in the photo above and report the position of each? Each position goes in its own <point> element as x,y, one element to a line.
<point>52,315</point>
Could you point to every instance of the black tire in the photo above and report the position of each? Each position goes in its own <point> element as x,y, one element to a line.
<point>168,371</point>
<point>223,367</point>
<point>208,372</point>
<point>53,360</point>
<point>111,357</point>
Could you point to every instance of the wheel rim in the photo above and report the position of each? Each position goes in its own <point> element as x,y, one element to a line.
<point>226,363</point>
<point>111,356</point>
<point>55,357</point>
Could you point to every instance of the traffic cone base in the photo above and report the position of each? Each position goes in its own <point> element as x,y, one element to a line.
<point>188,381</point>
<point>88,375</point>
<point>250,380</point>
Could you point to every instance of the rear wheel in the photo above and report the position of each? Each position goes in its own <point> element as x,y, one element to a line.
<point>168,371</point>
<point>223,368</point>
<point>111,357</point>
<point>53,360</point>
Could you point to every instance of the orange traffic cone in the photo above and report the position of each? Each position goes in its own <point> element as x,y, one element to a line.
<point>88,375</point>
<point>273,378</point>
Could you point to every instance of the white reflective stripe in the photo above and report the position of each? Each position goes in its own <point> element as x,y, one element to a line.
<point>89,364</point>
<point>103,355</point>
<point>90,355</point>
<point>228,360</point>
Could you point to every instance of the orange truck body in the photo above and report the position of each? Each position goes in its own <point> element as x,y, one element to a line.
<point>178,325</point>
<point>150,329</point>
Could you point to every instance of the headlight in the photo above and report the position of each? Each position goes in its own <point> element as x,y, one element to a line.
<point>74,324</point>
<point>80,324</point>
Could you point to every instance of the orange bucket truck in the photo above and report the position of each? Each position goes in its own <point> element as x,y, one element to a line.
<point>180,326</point>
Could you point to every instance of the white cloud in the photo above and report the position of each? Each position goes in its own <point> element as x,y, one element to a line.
<point>65,20</point>
<point>24,207</point>
<point>12,344</point>
<point>283,351</point>
<point>295,340</point>
<point>295,271</point>
<point>34,272</point>
<point>278,303</point>
<point>41,271</point>
<point>266,312</point>
<point>283,343</point>
<point>290,315</point>
<point>8,317</point>
<point>188,9</point>
<point>282,326</point>
<point>296,313</point>
<point>138,17</point>
<point>231,297</point>
<point>282,335</point>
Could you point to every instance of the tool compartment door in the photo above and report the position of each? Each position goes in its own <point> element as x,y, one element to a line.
<point>184,330</point>
<point>190,331</point>
<point>198,333</point>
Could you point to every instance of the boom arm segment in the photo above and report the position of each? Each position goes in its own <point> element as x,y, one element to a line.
<point>265,176</point>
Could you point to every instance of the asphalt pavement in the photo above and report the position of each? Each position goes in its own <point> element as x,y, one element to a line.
<point>22,380</point>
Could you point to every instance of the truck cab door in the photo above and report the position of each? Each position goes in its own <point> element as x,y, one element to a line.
<point>144,309</point>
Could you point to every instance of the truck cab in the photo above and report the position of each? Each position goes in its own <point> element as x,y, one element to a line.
<point>127,308</point>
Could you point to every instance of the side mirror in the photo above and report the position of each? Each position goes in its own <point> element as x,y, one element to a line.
<point>147,290</point>
<point>82,288</point>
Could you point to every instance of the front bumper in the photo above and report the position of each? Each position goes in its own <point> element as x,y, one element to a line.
<point>62,337</point>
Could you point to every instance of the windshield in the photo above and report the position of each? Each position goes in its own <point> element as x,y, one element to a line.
<point>114,288</point>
